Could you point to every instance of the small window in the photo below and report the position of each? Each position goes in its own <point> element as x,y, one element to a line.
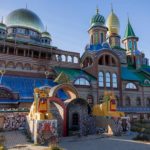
<point>127,101</point>
<point>82,81</point>
<point>96,38</point>
<point>138,101</point>
<point>148,102</point>
<point>131,86</point>
<point>146,81</point>
<point>101,79</point>
<point>102,37</point>
<point>69,59</point>
<point>130,45</point>
<point>114,80</point>
<point>107,79</point>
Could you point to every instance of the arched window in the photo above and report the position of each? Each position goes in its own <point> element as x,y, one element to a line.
<point>148,101</point>
<point>130,45</point>
<point>10,65</point>
<point>82,81</point>
<point>27,67</point>
<point>76,60</point>
<point>135,46</point>
<point>113,61</point>
<point>58,58</point>
<point>63,58</point>
<point>101,60</point>
<point>107,79</point>
<point>107,60</point>
<point>114,80</point>
<point>146,81</point>
<point>127,101</point>
<point>90,99</point>
<point>69,59</point>
<point>102,37</point>
<point>96,38</point>
<point>101,79</point>
<point>131,86</point>
<point>87,62</point>
<point>138,101</point>
<point>5,94</point>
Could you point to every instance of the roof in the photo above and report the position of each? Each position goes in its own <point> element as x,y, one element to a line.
<point>75,73</point>
<point>134,109</point>
<point>134,75</point>
<point>24,86</point>
<point>129,74</point>
<point>113,23</point>
<point>129,31</point>
<point>24,18</point>
<point>97,19</point>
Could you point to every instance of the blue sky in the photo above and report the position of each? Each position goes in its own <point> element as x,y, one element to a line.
<point>69,20</point>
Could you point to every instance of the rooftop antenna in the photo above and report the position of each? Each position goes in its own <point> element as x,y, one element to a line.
<point>112,7</point>
<point>2,20</point>
<point>97,9</point>
<point>128,17</point>
<point>26,6</point>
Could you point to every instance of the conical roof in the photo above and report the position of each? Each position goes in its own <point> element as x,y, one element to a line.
<point>129,31</point>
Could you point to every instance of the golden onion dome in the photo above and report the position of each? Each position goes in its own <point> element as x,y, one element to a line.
<point>113,23</point>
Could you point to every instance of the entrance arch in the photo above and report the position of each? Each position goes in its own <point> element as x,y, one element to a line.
<point>68,88</point>
<point>60,103</point>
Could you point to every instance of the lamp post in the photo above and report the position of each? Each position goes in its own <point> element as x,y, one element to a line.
<point>2,72</point>
<point>47,73</point>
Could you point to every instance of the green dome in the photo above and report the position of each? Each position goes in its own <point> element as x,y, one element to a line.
<point>24,18</point>
<point>3,26</point>
<point>97,20</point>
<point>46,35</point>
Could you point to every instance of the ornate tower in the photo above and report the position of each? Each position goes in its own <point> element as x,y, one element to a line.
<point>97,29</point>
<point>130,39</point>
<point>113,25</point>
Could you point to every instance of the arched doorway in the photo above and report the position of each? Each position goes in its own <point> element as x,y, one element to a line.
<point>78,117</point>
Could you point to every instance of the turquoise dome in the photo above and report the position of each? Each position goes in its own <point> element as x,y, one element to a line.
<point>3,26</point>
<point>97,20</point>
<point>46,35</point>
<point>24,18</point>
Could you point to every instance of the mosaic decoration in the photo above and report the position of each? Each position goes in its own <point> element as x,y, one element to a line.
<point>46,131</point>
<point>14,121</point>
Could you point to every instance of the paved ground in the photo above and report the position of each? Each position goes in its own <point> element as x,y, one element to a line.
<point>106,143</point>
<point>17,141</point>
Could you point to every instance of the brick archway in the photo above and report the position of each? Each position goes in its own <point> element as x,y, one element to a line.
<point>59,102</point>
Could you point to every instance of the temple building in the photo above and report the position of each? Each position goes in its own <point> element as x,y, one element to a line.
<point>28,60</point>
